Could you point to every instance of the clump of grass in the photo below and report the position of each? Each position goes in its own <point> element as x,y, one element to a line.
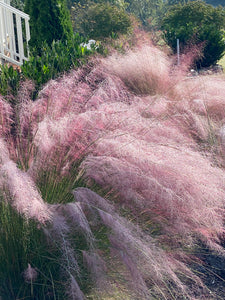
<point>23,244</point>
<point>145,71</point>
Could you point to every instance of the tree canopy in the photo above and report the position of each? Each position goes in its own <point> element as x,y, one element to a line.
<point>49,20</point>
<point>100,20</point>
<point>196,23</point>
<point>147,11</point>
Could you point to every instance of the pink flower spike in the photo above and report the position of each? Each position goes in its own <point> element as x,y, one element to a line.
<point>30,274</point>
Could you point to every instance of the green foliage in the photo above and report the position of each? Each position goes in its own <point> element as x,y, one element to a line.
<point>9,80</point>
<point>53,185</point>
<point>49,20</point>
<point>22,243</point>
<point>196,23</point>
<point>19,4</point>
<point>175,2</point>
<point>100,20</point>
<point>216,2</point>
<point>65,21</point>
<point>119,3</point>
<point>45,63</point>
<point>212,2</point>
<point>50,61</point>
<point>148,11</point>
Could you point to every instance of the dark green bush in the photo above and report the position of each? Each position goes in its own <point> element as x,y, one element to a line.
<point>100,20</point>
<point>196,23</point>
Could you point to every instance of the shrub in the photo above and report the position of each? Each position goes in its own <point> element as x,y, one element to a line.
<point>182,22</point>
<point>46,63</point>
<point>51,61</point>
<point>100,20</point>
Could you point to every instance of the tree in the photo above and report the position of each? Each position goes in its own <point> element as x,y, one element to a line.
<point>119,3</point>
<point>19,4</point>
<point>216,2</point>
<point>49,20</point>
<point>196,23</point>
<point>148,11</point>
<point>175,2</point>
<point>100,20</point>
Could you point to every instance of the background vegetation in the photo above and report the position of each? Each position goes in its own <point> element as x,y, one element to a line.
<point>100,20</point>
<point>49,20</point>
<point>196,23</point>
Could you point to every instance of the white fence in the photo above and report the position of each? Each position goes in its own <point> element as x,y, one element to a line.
<point>14,34</point>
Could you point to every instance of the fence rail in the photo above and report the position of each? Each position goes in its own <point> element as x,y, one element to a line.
<point>14,34</point>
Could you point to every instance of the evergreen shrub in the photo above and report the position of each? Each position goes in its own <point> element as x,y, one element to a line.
<point>196,23</point>
<point>49,20</point>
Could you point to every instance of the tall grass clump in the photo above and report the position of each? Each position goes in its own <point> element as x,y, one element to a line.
<point>27,261</point>
<point>145,71</point>
<point>101,195</point>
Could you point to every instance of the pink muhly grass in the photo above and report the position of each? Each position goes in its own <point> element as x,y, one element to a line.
<point>24,114</point>
<point>4,152</point>
<point>78,92</point>
<point>210,90</point>
<point>24,127</point>
<point>162,179</point>
<point>60,231</point>
<point>24,195</point>
<point>222,136</point>
<point>30,274</point>
<point>75,126</point>
<point>60,143</point>
<point>6,114</point>
<point>77,217</point>
<point>150,150</point>
<point>73,290</point>
<point>189,55</point>
<point>66,95</point>
<point>65,131</point>
<point>89,198</point>
<point>144,71</point>
<point>154,139</point>
<point>97,267</point>
<point>143,259</point>
<point>191,123</point>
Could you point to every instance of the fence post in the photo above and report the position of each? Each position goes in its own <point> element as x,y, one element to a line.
<point>178,52</point>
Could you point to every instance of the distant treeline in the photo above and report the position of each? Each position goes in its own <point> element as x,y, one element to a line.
<point>216,2</point>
